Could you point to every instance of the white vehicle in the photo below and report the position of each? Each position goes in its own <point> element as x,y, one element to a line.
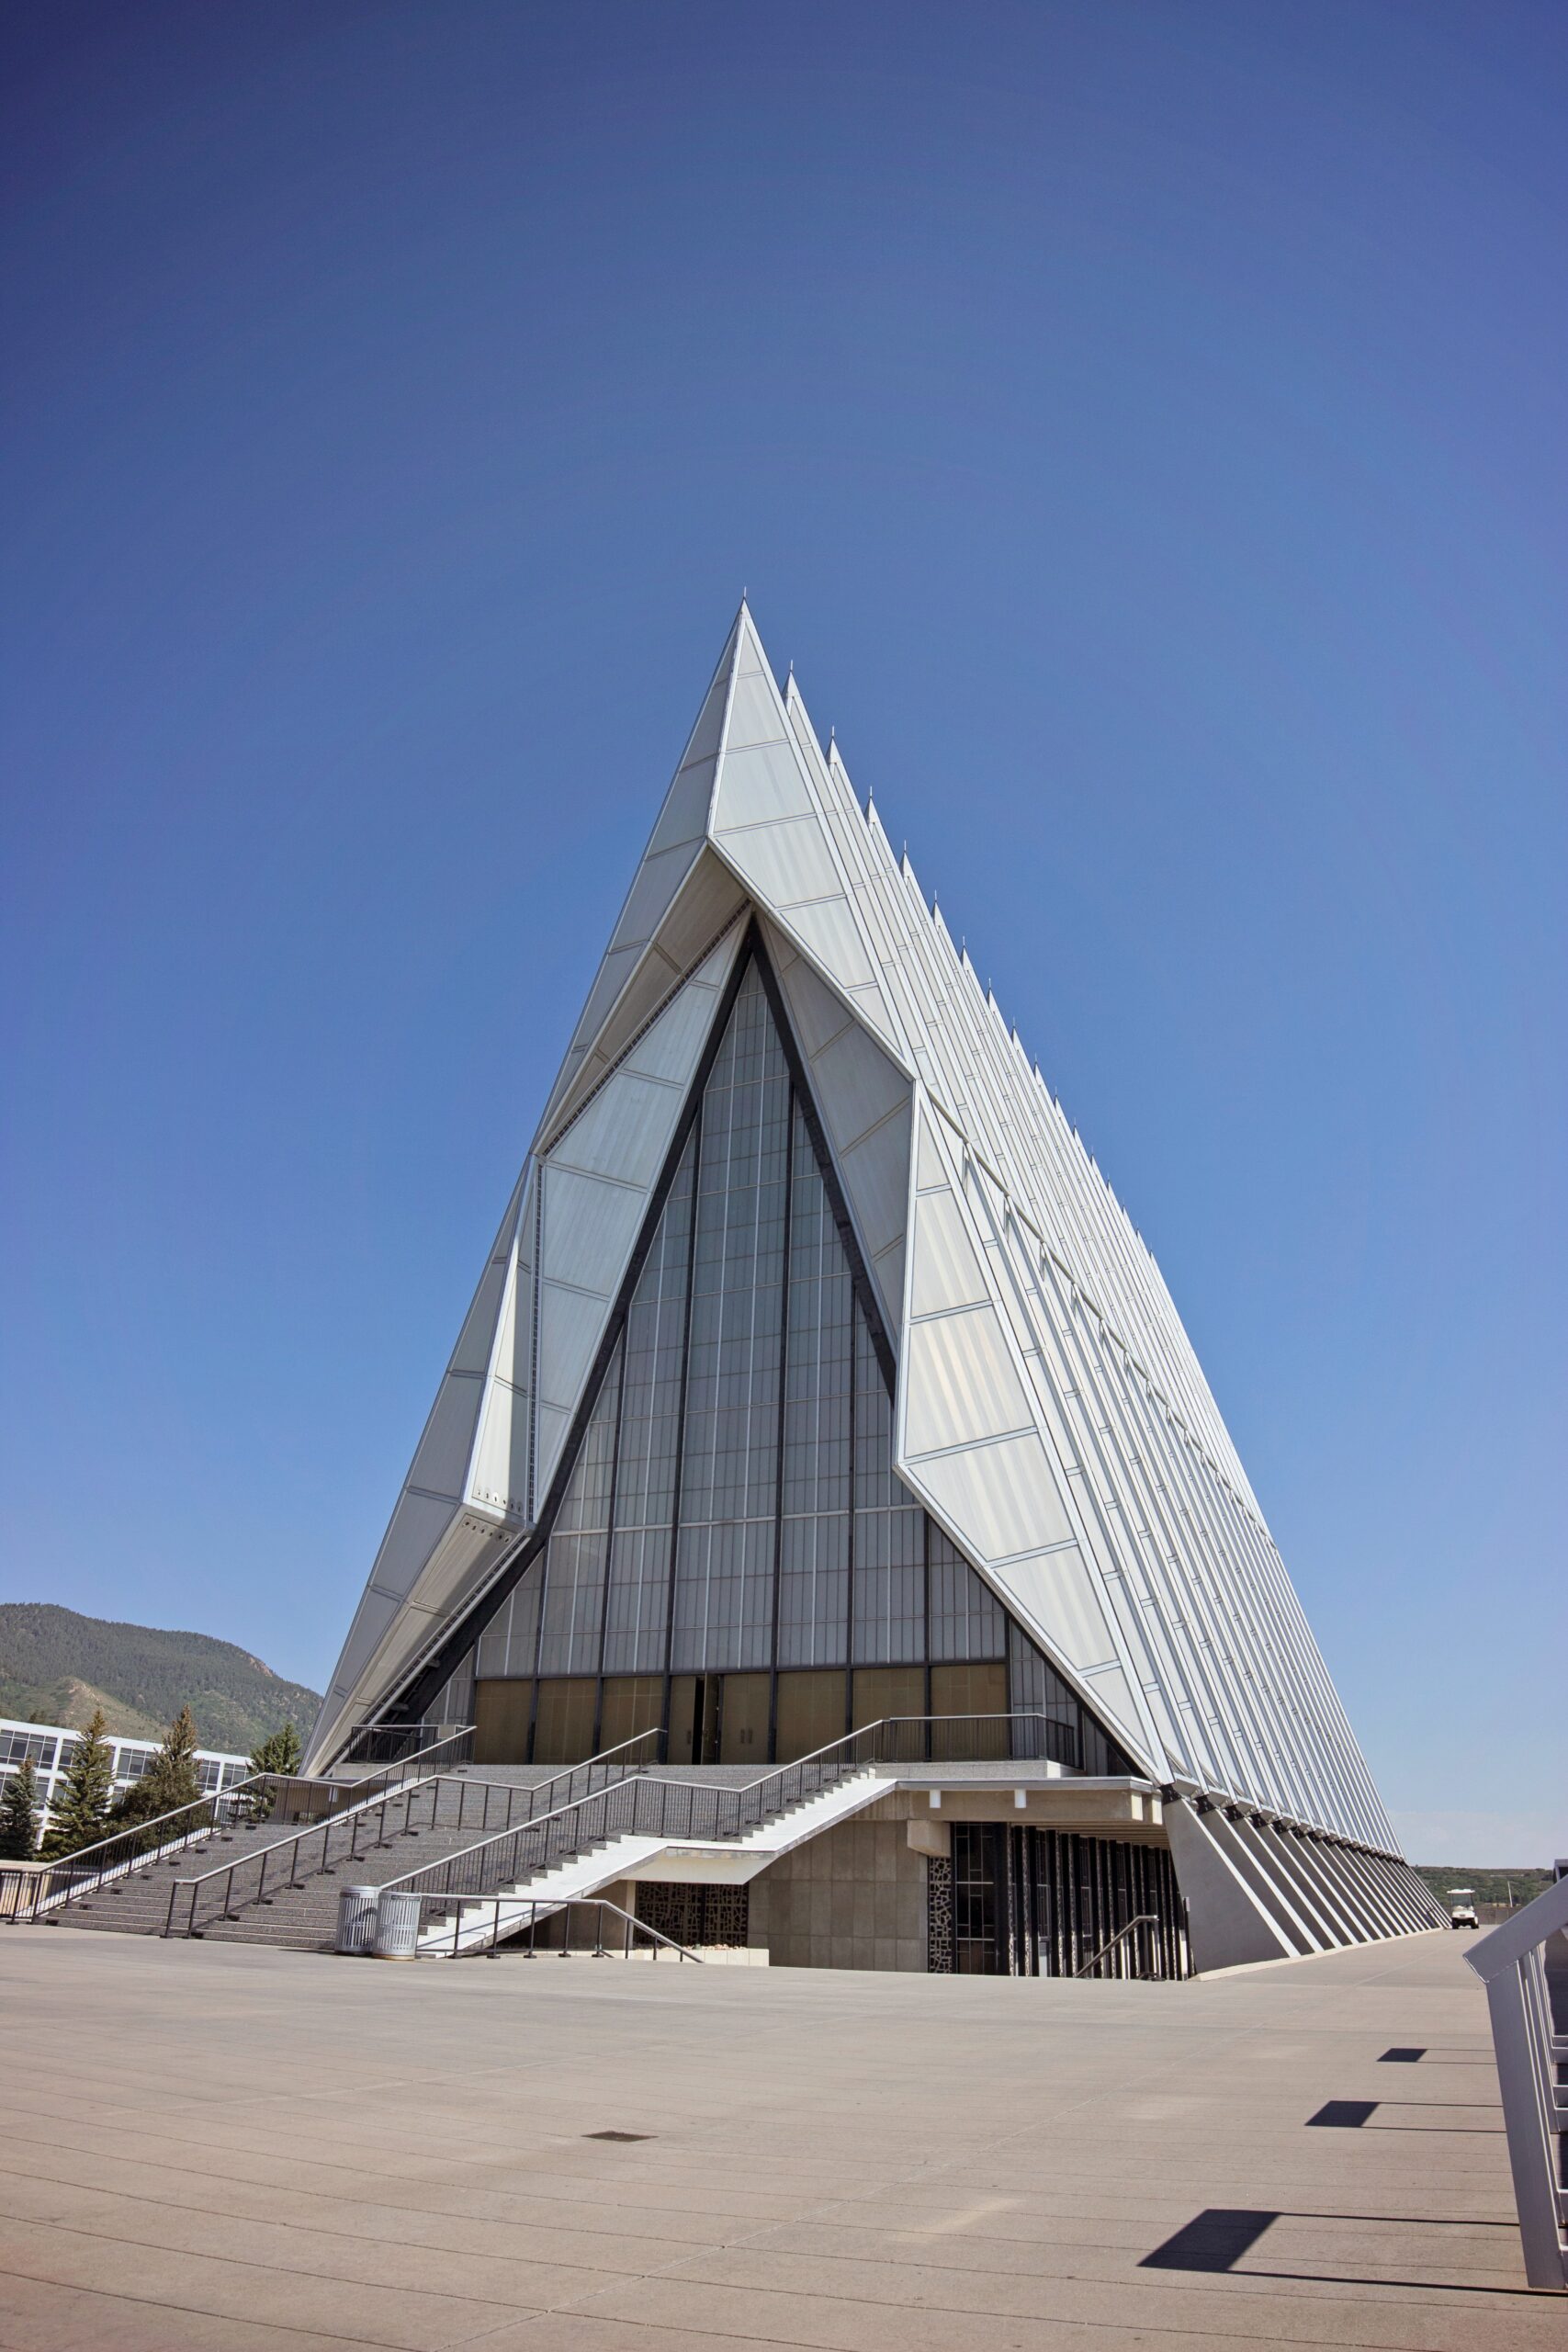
<point>1463,1913</point>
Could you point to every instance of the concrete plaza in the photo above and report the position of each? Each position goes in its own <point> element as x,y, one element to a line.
<point>236,2150</point>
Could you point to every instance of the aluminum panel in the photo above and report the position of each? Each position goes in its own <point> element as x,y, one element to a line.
<point>875,1175</point>
<point>441,1464</point>
<point>931,1169</point>
<point>590,1227</point>
<point>815,1013</point>
<point>670,1049</point>
<point>947,1268</point>
<point>475,1341</point>
<point>855,1085</point>
<point>888,1272</point>
<point>571,1323</point>
<point>759,786</point>
<point>613,975</point>
<point>785,862</point>
<point>499,1476</point>
<point>659,878</point>
<point>1058,1594</point>
<point>622,1134</point>
<point>872,1005</point>
<point>996,1500</point>
<point>371,1619</point>
<point>686,814</point>
<point>830,932</point>
<point>961,1382</point>
<point>550,1426</point>
<point>514,1328</point>
<point>756,715</point>
<point>416,1528</point>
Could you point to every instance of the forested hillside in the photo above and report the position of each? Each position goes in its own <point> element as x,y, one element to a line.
<point>55,1667</point>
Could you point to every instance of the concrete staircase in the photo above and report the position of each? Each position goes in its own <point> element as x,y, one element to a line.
<point>136,1902</point>
<point>302,1918</point>
<point>719,1860</point>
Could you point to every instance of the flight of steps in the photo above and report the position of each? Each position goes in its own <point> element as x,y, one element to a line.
<point>578,1877</point>
<point>137,1901</point>
<point>303,1917</point>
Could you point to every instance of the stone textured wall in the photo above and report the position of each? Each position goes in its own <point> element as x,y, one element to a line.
<point>690,1913</point>
<point>938,1916</point>
<point>855,1897</point>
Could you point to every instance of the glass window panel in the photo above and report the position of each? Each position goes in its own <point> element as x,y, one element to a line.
<point>967,1620</point>
<point>756,1380</point>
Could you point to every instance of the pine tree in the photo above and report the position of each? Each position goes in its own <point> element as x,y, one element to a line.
<point>170,1781</point>
<point>80,1809</point>
<point>279,1752</point>
<point>19,1814</point>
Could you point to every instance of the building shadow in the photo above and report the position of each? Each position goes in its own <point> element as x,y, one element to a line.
<point>1216,2240</point>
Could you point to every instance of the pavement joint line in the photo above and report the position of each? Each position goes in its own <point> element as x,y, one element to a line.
<point>1176,2284</point>
<point>842,2241</point>
<point>202,2311</point>
<point>824,2211</point>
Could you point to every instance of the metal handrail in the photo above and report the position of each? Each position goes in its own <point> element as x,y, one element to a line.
<point>536,1911</point>
<point>131,1850</point>
<point>1145,1918</point>
<point>370,1736</point>
<point>648,1805</point>
<point>374,1812</point>
<point>1511,1964</point>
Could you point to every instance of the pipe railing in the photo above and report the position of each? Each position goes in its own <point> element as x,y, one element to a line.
<point>485,1935</point>
<point>1144,1919</point>
<point>655,1805</point>
<point>1512,1963</point>
<point>392,1743</point>
<point>138,1843</point>
<point>433,1800</point>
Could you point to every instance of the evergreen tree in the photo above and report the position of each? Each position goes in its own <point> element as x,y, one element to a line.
<point>279,1752</point>
<point>170,1781</point>
<point>80,1809</point>
<point>18,1814</point>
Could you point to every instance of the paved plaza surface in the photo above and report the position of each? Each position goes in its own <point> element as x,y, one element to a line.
<point>244,2151</point>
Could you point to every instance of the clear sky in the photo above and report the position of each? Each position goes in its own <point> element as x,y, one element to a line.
<point>1143,426</point>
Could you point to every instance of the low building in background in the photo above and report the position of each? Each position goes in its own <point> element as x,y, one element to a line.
<point>49,1745</point>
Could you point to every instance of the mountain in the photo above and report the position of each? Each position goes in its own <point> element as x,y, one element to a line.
<point>56,1667</point>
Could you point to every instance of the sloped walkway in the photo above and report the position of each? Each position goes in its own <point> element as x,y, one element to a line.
<point>210,2148</point>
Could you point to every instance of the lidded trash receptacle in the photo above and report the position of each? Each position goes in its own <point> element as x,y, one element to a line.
<point>397,1926</point>
<point>356,1908</point>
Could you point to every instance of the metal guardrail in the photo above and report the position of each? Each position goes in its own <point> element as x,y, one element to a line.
<point>246,1805</point>
<point>129,1849</point>
<point>1144,1919</point>
<point>423,1793</point>
<point>651,1806</point>
<point>1531,2058</point>
<point>481,1940</point>
<point>393,1743</point>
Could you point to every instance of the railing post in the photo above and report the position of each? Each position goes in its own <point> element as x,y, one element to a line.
<point>1529,2135</point>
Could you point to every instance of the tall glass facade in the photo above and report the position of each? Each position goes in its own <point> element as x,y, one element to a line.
<point>733,1556</point>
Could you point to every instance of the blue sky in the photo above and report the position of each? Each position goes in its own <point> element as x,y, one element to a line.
<point>1142,426</point>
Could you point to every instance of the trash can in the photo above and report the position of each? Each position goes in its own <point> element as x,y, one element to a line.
<point>397,1926</point>
<point>356,1918</point>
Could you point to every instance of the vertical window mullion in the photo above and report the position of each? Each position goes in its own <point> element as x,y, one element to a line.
<point>785,1272</point>
<point>681,1420</point>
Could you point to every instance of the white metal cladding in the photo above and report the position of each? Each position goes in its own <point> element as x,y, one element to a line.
<point>1051,1413</point>
<point>503,1412</point>
<point>428,1538</point>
